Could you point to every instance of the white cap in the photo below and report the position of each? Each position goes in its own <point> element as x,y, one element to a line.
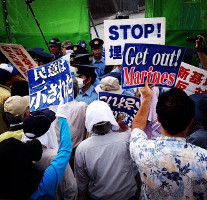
<point>109,84</point>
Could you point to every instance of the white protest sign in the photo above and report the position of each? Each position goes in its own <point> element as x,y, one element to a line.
<point>141,30</point>
<point>19,57</point>
<point>191,79</point>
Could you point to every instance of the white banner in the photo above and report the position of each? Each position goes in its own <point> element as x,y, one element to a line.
<point>141,30</point>
<point>191,79</point>
<point>19,57</point>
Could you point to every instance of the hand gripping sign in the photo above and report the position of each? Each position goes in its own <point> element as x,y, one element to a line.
<point>158,64</point>
<point>119,32</point>
<point>49,84</point>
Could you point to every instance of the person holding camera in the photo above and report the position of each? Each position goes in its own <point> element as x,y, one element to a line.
<point>200,46</point>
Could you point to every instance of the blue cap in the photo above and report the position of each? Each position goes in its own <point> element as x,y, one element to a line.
<point>114,74</point>
<point>38,54</point>
<point>82,43</point>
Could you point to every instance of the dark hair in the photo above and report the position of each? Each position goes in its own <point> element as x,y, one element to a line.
<point>102,128</point>
<point>75,87</point>
<point>92,75</point>
<point>20,88</point>
<point>175,110</point>
<point>4,76</point>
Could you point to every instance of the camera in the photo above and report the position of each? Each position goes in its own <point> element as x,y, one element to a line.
<point>193,40</point>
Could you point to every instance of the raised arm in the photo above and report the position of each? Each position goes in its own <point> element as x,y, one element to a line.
<point>140,120</point>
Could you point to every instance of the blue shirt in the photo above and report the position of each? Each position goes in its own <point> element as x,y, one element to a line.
<point>100,66</point>
<point>199,138</point>
<point>129,92</point>
<point>116,70</point>
<point>54,173</point>
<point>170,167</point>
<point>89,96</point>
<point>96,82</point>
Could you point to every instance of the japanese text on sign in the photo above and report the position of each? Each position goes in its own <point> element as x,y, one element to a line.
<point>49,84</point>
<point>19,57</point>
<point>126,106</point>
<point>191,79</point>
<point>141,30</point>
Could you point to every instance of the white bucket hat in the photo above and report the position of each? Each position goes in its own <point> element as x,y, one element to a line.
<point>99,111</point>
<point>109,84</point>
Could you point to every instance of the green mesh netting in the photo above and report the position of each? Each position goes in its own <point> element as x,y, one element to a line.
<point>184,18</point>
<point>64,19</point>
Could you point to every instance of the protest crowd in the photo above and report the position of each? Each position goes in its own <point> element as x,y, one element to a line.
<point>101,140</point>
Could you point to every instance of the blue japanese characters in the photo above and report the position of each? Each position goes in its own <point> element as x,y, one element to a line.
<point>49,84</point>
<point>119,32</point>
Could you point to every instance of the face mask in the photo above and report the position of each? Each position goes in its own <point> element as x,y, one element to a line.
<point>80,82</point>
<point>69,51</point>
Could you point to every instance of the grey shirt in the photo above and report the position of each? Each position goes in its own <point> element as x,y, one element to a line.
<point>104,168</point>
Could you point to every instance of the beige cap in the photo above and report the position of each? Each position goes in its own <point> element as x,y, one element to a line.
<point>67,43</point>
<point>16,105</point>
<point>109,84</point>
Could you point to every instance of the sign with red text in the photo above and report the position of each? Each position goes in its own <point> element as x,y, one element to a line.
<point>158,64</point>
<point>191,79</point>
<point>19,57</point>
<point>119,32</point>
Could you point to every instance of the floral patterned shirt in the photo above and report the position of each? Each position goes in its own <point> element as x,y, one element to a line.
<point>170,168</point>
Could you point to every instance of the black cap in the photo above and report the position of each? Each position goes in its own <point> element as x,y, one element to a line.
<point>54,42</point>
<point>40,55</point>
<point>38,123</point>
<point>72,57</point>
<point>83,64</point>
<point>77,49</point>
<point>96,43</point>
<point>82,43</point>
<point>35,48</point>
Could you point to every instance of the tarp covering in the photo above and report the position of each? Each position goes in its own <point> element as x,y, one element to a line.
<point>65,19</point>
<point>184,18</point>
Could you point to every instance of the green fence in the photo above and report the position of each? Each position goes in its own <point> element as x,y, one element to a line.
<point>184,18</point>
<point>64,19</point>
